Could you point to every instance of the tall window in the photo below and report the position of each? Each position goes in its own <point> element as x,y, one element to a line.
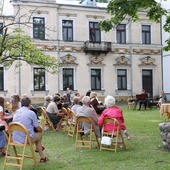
<point>39,79</point>
<point>122,79</point>
<point>1,78</point>
<point>95,79</point>
<point>94,32</point>
<point>67,30</point>
<point>121,33</point>
<point>39,28</point>
<point>146,34</point>
<point>68,78</point>
<point>1,28</point>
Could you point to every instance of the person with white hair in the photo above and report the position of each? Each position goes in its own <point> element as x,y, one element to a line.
<point>113,111</point>
<point>48,99</point>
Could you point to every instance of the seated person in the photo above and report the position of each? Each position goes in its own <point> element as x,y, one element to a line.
<point>113,111</point>
<point>3,126</point>
<point>54,114</point>
<point>143,99</point>
<point>95,104</point>
<point>47,101</point>
<point>161,99</point>
<point>76,104</point>
<point>87,111</point>
<point>28,118</point>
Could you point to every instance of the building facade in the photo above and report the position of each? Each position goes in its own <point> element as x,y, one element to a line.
<point>121,62</point>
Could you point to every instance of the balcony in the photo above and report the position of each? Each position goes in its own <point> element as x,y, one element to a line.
<point>97,47</point>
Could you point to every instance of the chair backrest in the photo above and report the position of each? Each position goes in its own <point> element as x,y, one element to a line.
<point>82,120</point>
<point>16,126</point>
<point>114,121</point>
<point>45,119</point>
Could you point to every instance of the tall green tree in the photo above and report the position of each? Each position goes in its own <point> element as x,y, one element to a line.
<point>18,46</point>
<point>120,9</point>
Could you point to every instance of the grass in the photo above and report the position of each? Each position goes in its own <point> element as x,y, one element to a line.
<point>144,151</point>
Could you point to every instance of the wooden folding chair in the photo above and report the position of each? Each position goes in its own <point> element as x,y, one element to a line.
<point>45,120</point>
<point>84,141</point>
<point>71,127</point>
<point>19,158</point>
<point>117,135</point>
<point>65,117</point>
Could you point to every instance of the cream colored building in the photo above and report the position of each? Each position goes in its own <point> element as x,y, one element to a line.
<point>120,63</point>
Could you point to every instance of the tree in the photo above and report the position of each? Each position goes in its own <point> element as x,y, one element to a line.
<point>120,9</point>
<point>18,46</point>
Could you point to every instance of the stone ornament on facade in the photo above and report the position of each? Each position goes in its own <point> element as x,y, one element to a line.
<point>96,59</point>
<point>147,61</point>
<point>46,47</point>
<point>146,51</point>
<point>122,61</point>
<point>70,48</point>
<point>120,50</point>
<point>68,59</point>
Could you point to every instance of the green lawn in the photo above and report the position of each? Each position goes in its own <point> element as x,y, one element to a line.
<point>144,151</point>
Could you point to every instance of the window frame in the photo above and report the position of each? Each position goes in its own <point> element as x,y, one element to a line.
<point>39,26</point>
<point>68,84</point>
<point>120,38</point>
<point>2,78</point>
<point>95,29</point>
<point>67,30</point>
<point>122,80</point>
<point>99,76</point>
<point>1,30</point>
<point>43,74</point>
<point>146,34</point>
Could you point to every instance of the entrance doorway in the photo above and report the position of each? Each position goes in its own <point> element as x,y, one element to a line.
<point>147,82</point>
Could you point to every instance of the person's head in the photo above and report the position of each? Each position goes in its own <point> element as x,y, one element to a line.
<point>48,98</point>
<point>93,95</point>
<point>88,93</point>
<point>25,102</point>
<point>57,99</point>
<point>110,101</point>
<point>76,100</point>
<point>25,95</point>
<point>77,94</point>
<point>86,100</point>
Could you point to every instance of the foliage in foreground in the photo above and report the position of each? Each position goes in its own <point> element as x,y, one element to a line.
<point>19,47</point>
<point>121,9</point>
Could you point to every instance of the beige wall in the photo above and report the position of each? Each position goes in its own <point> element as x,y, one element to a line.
<point>81,16</point>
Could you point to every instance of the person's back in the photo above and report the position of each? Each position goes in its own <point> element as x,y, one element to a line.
<point>86,111</point>
<point>29,119</point>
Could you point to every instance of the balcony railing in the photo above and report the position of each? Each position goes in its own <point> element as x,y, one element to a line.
<point>97,47</point>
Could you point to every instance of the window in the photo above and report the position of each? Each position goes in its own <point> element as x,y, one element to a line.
<point>122,79</point>
<point>94,32</point>
<point>68,78</point>
<point>95,79</point>
<point>67,30</point>
<point>39,79</point>
<point>121,33</point>
<point>1,78</point>
<point>146,34</point>
<point>39,28</point>
<point>1,29</point>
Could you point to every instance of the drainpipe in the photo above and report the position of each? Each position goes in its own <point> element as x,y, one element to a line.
<point>131,70</point>
<point>58,52</point>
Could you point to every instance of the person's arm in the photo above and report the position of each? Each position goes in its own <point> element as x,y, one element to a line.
<point>39,129</point>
